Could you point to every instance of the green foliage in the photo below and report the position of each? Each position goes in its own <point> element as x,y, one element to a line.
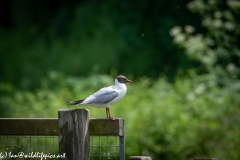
<point>218,49</point>
<point>166,121</point>
<point>81,38</point>
<point>53,94</point>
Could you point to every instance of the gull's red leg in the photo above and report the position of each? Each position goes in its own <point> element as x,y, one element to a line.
<point>107,112</point>
<point>112,118</point>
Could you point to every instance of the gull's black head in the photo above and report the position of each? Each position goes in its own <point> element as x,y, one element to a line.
<point>123,79</point>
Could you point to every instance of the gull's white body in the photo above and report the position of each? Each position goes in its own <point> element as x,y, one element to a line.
<point>119,88</point>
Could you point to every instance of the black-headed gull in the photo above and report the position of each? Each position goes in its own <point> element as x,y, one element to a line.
<point>106,96</point>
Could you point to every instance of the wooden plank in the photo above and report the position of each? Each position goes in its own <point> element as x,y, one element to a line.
<point>49,127</point>
<point>29,126</point>
<point>106,127</point>
<point>74,139</point>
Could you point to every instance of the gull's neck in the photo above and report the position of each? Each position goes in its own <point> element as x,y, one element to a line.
<point>120,85</point>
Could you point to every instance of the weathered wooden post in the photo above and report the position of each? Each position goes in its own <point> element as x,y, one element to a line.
<point>73,134</point>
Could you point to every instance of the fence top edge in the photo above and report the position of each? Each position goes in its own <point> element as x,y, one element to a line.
<point>54,119</point>
<point>106,119</point>
<point>28,118</point>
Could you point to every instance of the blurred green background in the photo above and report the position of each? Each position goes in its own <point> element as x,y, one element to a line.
<point>184,57</point>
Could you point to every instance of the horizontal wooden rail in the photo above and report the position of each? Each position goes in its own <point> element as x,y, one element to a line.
<point>49,127</point>
<point>29,126</point>
<point>106,127</point>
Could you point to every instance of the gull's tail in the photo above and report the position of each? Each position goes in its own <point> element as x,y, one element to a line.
<point>75,102</point>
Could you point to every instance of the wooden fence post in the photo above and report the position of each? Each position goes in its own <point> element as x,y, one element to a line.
<point>74,139</point>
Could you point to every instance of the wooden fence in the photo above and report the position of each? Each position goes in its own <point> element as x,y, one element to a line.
<point>73,128</point>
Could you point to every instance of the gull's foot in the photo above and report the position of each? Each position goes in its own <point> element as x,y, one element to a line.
<point>112,118</point>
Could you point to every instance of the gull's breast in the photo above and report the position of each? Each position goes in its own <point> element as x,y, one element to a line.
<point>121,94</point>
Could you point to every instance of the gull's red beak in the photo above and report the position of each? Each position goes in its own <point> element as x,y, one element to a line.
<point>129,81</point>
